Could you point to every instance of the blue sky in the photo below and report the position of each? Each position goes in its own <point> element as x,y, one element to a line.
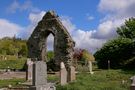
<point>78,11</point>
<point>90,22</point>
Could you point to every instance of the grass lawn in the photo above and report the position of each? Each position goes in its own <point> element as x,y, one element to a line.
<point>13,63</point>
<point>101,80</point>
<point>13,82</point>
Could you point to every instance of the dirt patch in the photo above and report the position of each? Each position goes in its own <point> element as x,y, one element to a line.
<point>12,75</point>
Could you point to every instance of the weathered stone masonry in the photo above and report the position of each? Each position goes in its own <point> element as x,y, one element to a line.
<point>63,43</point>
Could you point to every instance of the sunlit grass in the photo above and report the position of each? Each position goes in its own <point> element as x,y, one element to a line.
<point>12,82</point>
<point>100,80</point>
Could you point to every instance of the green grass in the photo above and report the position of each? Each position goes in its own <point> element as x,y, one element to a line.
<point>13,82</point>
<point>100,80</point>
<point>13,64</point>
<point>53,78</point>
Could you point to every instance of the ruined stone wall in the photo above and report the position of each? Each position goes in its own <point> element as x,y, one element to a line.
<point>63,43</point>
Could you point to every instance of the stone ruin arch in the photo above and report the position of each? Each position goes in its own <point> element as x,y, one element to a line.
<point>63,42</point>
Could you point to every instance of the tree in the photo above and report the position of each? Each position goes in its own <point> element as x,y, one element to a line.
<point>120,51</point>
<point>127,30</point>
<point>50,55</point>
<point>87,55</point>
<point>13,46</point>
<point>82,56</point>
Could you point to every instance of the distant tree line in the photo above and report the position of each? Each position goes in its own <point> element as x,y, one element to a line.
<point>13,46</point>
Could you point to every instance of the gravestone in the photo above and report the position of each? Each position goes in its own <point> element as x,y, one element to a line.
<point>29,70</point>
<point>63,74</point>
<point>39,73</point>
<point>90,67</point>
<point>71,74</point>
<point>39,81</point>
<point>132,87</point>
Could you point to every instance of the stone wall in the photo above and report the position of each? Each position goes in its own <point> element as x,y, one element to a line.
<point>63,42</point>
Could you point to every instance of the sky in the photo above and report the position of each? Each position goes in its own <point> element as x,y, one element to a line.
<point>90,22</point>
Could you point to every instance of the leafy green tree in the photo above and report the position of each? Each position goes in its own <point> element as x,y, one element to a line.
<point>87,55</point>
<point>82,56</point>
<point>127,30</point>
<point>13,46</point>
<point>50,55</point>
<point>120,51</point>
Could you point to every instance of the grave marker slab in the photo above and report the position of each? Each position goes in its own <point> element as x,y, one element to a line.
<point>90,67</point>
<point>39,73</point>
<point>29,70</point>
<point>72,76</point>
<point>132,87</point>
<point>63,74</point>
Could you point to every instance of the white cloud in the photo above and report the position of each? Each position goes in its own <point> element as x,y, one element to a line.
<point>116,11</point>
<point>85,40</point>
<point>8,28</point>
<point>27,5</point>
<point>34,19</point>
<point>50,42</point>
<point>90,18</point>
<point>105,30</point>
<point>113,5</point>
<point>66,21</point>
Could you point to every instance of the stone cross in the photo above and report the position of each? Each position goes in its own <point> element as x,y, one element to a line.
<point>63,74</point>
<point>90,67</point>
<point>29,70</point>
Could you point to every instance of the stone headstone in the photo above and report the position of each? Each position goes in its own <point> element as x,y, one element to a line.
<point>132,87</point>
<point>71,73</point>
<point>90,67</point>
<point>39,81</point>
<point>39,73</point>
<point>29,70</point>
<point>63,74</point>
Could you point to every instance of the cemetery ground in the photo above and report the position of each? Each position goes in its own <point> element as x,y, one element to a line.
<point>100,80</point>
